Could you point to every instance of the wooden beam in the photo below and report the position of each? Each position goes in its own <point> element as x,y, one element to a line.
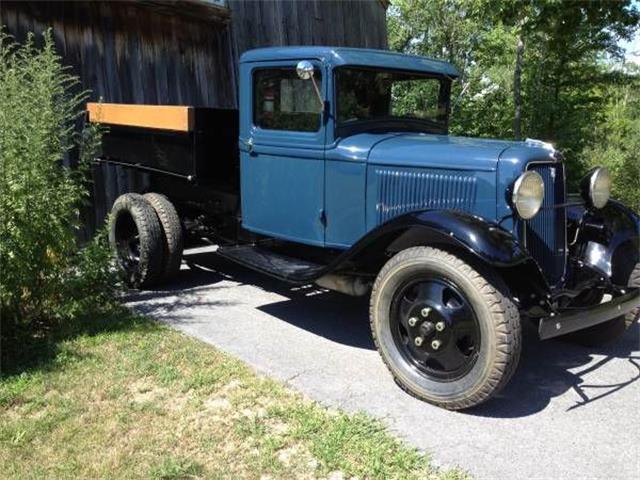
<point>162,117</point>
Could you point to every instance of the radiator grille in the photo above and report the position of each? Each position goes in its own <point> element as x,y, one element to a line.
<point>545,234</point>
<point>401,192</point>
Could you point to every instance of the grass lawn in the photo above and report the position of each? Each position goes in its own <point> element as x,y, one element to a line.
<point>123,397</point>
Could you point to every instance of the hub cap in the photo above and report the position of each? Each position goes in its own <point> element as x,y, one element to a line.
<point>435,329</point>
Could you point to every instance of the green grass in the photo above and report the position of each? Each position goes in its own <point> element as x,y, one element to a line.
<point>124,397</point>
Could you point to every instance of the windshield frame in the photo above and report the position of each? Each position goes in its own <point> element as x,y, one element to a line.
<point>409,124</point>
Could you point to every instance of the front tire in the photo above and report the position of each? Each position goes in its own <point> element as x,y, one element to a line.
<point>449,334</point>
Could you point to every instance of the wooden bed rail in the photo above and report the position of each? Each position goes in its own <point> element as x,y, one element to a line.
<point>162,117</point>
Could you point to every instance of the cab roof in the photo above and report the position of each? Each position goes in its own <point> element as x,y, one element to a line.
<point>363,57</point>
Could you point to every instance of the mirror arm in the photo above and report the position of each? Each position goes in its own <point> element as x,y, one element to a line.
<point>315,86</point>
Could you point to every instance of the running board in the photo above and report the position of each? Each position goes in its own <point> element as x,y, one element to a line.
<point>289,269</point>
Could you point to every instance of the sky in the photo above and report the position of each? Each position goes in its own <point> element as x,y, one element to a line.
<point>633,47</point>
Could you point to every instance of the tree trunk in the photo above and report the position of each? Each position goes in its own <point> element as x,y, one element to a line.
<point>517,90</point>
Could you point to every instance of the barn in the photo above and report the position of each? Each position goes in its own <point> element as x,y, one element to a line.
<point>182,52</point>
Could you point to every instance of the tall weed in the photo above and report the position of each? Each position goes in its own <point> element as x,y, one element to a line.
<point>45,275</point>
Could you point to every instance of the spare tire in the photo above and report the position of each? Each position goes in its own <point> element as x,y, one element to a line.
<point>172,233</point>
<point>135,236</point>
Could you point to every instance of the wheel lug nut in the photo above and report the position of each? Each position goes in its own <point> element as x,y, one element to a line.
<point>417,341</point>
<point>436,344</point>
<point>413,321</point>
<point>440,326</point>
<point>425,312</point>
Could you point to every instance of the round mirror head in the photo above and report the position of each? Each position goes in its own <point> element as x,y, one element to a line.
<point>304,69</point>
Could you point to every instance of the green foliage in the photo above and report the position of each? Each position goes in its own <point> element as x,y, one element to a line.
<point>570,68</point>
<point>616,143</point>
<point>46,276</point>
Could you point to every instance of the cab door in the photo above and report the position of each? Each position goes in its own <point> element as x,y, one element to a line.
<point>282,141</point>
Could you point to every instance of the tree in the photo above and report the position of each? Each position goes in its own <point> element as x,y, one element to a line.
<point>533,68</point>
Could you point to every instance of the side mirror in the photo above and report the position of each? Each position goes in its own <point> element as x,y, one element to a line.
<point>305,70</point>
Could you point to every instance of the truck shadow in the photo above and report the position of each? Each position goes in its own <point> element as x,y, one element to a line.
<point>553,368</point>
<point>546,370</point>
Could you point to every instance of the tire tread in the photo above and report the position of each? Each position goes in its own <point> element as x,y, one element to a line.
<point>172,233</point>
<point>505,314</point>
<point>148,225</point>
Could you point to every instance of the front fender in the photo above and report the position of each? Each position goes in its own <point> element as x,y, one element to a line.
<point>485,241</point>
<point>607,239</point>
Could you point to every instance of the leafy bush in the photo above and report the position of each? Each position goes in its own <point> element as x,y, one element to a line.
<point>617,143</point>
<point>46,275</point>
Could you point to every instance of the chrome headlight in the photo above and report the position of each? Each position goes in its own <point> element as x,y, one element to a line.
<point>596,187</point>
<point>528,194</point>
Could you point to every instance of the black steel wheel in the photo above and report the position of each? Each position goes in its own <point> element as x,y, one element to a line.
<point>435,328</point>
<point>135,236</point>
<point>449,334</point>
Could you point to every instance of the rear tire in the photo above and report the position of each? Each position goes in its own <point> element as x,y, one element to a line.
<point>172,233</point>
<point>135,236</point>
<point>429,293</point>
<point>606,332</point>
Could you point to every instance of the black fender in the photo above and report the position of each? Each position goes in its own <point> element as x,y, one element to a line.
<point>607,239</point>
<point>484,241</point>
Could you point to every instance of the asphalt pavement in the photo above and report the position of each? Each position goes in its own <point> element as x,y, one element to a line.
<point>568,413</point>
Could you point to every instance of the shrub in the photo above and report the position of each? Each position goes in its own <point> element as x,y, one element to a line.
<point>46,275</point>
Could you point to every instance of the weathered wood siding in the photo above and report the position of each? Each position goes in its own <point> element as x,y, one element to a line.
<point>134,53</point>
<point>129,52</point>
<point>348,23</point>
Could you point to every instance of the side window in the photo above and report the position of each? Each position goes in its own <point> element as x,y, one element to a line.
<point>283,101</point>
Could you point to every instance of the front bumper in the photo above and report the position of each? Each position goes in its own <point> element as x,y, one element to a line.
<point>578,318</point>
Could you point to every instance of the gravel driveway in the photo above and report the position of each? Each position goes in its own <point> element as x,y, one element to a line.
<point>569,412</point>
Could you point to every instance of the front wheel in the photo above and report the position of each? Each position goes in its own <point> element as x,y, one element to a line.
<point>449,334</point>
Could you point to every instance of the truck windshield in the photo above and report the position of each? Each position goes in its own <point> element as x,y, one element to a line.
<point>369,99</point>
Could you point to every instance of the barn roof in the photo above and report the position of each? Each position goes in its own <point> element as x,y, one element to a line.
<point>338,56</point>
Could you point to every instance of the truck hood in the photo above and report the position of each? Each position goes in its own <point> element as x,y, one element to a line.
<point>447,152</point>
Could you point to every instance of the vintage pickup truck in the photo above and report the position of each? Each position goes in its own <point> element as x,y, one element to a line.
<point>338,170</point>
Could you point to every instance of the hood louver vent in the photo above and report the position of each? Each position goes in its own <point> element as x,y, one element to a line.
<point>405,191</point>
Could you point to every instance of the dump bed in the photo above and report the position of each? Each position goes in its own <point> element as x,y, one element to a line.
<point>197,144</point>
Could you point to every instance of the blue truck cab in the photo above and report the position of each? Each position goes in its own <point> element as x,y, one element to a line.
<point>337,169</point>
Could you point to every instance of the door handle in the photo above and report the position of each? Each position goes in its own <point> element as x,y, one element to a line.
<point>249,144</point>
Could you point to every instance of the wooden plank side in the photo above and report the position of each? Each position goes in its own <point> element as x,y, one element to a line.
<point>163,117</point>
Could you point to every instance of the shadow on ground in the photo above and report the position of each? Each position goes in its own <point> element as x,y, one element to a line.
<point>35,347</point>
<point>547,369</point>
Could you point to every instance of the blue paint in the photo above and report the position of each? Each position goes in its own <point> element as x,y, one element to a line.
<point>290,179</point>
<point>439,151</point>
<point>393,191</point>
<point>339,56</point>
<point>282,174</point>
<point>345,202</point>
